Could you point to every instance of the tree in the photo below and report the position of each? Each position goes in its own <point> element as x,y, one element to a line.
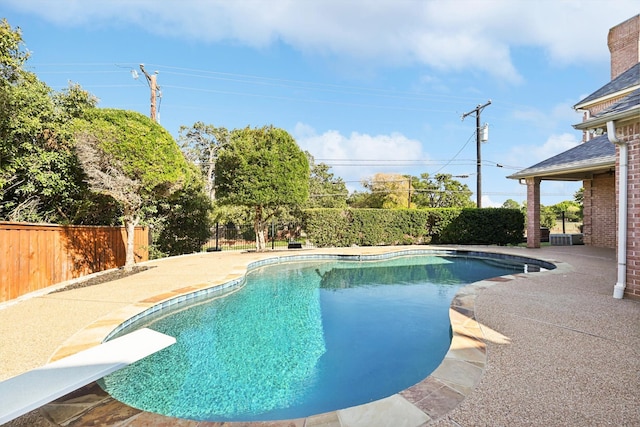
<point>387,191</point>
<point>548,217</point>
<point>130,158</point>
<point>363,200</point>
<point>12,55</point>
<point>571,209</point>
<point>40,179</point>
<point>325,190</point>
<point>440,191</point>
<point>26,111</point>
<point>262,168</point>
<point>392,191</point>
<point>200,144</point>
<point>183,220</point>
<point>511,204</point>
<point>579,198</point>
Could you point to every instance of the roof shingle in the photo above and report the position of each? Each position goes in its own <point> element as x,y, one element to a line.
<point>629,78</point>
<point>596,150</point>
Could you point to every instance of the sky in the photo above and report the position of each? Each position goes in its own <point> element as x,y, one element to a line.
<point>366,86</point>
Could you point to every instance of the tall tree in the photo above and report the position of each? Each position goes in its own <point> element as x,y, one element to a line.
<point>578,196</point>
<point>130,158</point>
<point>440,191</point>
<point>325,190</point>
<point>570,208</point>
<point>511,204</point>
<point>12,54</point>
<point>201,143</point>
<point>387,191</point>
<point>262,168</point>
<point>25,108</point>
<point>40,180</point>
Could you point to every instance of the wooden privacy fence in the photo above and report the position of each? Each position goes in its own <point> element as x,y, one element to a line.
<point>34,256</point>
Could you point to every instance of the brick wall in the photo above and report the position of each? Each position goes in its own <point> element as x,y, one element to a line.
<point>624,45</point>
<point>597,108</point>
<point>586,213</point>
<point>600,211</point>
<point>533,212</point>
<point>630,134</point>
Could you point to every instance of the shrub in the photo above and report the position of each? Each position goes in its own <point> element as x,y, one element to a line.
<point>491,226</point>
<point>374,227</point>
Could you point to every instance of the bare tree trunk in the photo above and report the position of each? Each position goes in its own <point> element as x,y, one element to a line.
<point>258,227</point>
<point>130,222</point>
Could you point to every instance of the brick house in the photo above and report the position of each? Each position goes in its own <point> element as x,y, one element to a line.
<point>607,163</point>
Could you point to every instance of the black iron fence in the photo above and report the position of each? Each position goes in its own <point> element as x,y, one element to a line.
<point>278,235</point>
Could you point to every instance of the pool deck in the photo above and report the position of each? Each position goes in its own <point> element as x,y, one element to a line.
<point>540,349</point>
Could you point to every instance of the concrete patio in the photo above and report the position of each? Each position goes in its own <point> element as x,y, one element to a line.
<point>559,349</point>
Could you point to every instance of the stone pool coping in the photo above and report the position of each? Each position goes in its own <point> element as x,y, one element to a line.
<point>440,392</point>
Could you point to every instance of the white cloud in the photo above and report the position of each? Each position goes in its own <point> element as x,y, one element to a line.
<point>358,156</point>
<point>561,115</point>
<point>532,154</point>
<point>445,35</point>
<point>488,203</point>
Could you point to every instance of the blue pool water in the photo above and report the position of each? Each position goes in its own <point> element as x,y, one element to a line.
<point>302,338</point>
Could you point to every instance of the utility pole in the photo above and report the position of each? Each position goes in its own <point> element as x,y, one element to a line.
<point>477,111</point>
<point>153,85</point>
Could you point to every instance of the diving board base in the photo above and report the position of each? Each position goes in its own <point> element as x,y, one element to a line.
<point>33,389</point>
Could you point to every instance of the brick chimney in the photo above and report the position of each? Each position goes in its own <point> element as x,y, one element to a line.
<point>624,45</point>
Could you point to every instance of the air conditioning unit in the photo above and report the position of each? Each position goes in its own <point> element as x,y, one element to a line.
<point>577,239</point>
<point>560,240</point>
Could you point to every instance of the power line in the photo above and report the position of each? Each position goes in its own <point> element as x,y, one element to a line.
<point>266,81</point>
<point>487,193</point>
<point>411,162</point>
<point>301,84</point>
<point>456,155</point>
<point>477,112</point>
<point>307,100</point>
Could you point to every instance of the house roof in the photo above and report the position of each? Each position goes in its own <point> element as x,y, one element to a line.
<point>628,107</point>
<point>626,103</point>
<point>597,154</point>
<point>626,80</point>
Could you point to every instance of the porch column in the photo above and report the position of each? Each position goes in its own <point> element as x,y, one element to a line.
<point>533,212</point>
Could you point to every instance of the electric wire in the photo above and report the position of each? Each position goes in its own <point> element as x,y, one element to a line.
<point>258,80</point>
<point>193,73</point>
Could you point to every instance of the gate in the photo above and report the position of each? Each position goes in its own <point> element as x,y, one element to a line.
<point>231,236</point>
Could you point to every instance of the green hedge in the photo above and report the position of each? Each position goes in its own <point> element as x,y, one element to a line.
<point>490,226</point>
<point>374,227</point>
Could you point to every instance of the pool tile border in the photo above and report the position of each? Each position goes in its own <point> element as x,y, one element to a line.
<point>455,378</point>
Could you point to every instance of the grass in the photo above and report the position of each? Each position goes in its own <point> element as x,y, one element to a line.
<point>570,227</point>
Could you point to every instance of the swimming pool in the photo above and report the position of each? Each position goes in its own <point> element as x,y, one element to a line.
<point>303,338</point>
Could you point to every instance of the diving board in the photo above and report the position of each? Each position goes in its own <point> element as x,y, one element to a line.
<point>32,389</point>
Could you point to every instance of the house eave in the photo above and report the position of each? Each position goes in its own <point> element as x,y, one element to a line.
<point>571,172</point>
<point>601,122</point>
<point>618,94</point>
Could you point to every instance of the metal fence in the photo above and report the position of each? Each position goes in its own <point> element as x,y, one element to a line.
<point>278,235</point>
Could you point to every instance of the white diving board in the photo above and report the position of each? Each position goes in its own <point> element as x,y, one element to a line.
<point>33,389</point>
